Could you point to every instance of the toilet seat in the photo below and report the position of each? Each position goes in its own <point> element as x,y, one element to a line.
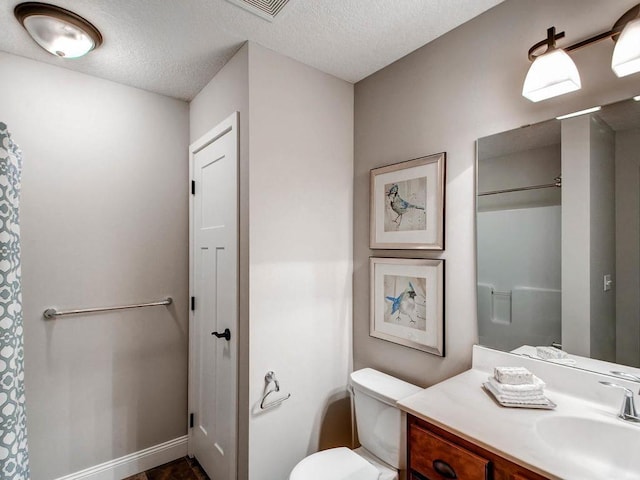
<point>385,472</point>
<point>334,464</point>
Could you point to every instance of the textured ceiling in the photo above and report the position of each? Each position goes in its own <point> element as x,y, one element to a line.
<point>174,47</point>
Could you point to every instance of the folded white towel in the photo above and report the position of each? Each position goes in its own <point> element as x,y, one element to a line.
<point>518,400</point>
<point>537,387</point>
<point>522,398</point>
<point>513,375</point>
<point>550,353</point>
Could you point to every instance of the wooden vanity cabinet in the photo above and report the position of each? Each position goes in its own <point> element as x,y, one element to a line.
<point>435,454</point>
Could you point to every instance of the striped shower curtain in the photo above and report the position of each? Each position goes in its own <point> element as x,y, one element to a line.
<point>14,459</point>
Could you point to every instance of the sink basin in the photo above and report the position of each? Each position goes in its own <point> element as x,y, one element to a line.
<point>607,446</point>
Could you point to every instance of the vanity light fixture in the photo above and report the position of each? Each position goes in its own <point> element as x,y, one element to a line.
<point>626,55</point>
<point>577,114</point>
<point>60,32</point>
<point>553,72</point>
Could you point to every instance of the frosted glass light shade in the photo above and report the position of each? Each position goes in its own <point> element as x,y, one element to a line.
<point>58,37</point>
<point>551,74</point>
<point>626,55</point>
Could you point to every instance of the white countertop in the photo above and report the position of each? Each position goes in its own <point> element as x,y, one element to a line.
<point>461,406</point>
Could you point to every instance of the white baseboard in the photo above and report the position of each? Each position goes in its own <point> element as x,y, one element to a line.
<point>133,463</point>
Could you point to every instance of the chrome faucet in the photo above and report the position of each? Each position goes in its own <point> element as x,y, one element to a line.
<point>625,375</point>
<point>628,411</point>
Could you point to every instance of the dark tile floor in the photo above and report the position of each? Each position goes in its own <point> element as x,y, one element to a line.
<point>182,469</point>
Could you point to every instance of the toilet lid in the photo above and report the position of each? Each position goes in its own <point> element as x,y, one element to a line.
<point>335,464</point>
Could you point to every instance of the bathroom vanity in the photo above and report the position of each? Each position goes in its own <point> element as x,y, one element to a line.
<point>457,430</point>
<point>434,454</point>
<point>540,283</point>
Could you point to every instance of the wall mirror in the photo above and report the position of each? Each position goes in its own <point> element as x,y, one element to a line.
<point>558,238</point>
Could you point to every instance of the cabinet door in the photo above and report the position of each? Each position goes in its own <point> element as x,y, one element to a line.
<point>438,459</point>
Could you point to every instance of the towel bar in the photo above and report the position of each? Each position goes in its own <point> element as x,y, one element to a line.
<point>50,313</point>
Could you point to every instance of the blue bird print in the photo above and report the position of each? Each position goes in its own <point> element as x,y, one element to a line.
<point>399,205</point>
<point>395,304</point>
<point>408,304</point>
<point>405,304</point>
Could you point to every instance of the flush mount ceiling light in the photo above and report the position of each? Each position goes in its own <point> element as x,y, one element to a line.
<point>553,72</point>
<point>59,31</point>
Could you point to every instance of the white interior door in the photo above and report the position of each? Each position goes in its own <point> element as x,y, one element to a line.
<point>214,288</point>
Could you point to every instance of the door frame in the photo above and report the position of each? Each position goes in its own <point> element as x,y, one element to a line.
<point>229,124</point>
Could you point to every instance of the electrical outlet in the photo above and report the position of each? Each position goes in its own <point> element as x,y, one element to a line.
<point>608,282</point>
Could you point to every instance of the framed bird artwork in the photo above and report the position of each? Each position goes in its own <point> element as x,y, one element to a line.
<point>407,204</point>
<point>407,302</point>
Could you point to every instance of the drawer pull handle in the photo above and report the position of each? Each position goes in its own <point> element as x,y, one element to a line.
<point>444,469</point>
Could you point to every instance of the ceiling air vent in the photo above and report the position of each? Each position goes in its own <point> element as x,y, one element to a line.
<point>267,9</point>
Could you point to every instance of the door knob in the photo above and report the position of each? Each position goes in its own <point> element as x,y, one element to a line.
<point>226,334</point>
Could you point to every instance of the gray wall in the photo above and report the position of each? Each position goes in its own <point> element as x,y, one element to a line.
<point>226,93</point>
<point>588,237</point>
<point>603,241</point>
<point>627,282</point>
<point>301,211</point>
<point>104,222</point>
<point>535,166</point>
<point>296,193</point>
<point>576,236</point>
<point>465,85</point>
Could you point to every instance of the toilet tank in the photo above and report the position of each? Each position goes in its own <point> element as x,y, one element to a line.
<point>381,425</point>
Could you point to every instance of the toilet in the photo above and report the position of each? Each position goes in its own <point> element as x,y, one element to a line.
<point>381,431</point>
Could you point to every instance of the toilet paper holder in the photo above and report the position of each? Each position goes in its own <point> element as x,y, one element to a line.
<point>270,378</point>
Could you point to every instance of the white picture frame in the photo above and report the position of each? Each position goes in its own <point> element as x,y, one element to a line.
<point>407,302</point>
<point>407,204</point>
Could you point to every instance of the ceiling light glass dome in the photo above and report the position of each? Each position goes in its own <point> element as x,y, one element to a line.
<point>59,31</point>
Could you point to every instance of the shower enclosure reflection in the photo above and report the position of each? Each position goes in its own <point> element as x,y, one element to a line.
<point>518,218</point>
<point>558,243</point>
